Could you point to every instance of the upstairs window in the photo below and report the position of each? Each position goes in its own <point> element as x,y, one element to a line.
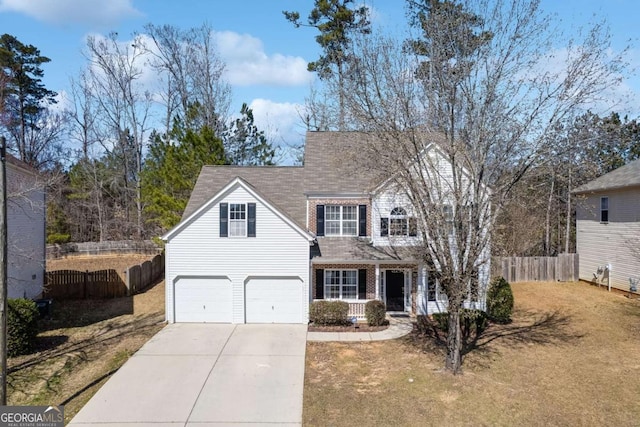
<point>341,220</point>
<point>237,220</point>
<point>604,209</point>
<point>398,224</point>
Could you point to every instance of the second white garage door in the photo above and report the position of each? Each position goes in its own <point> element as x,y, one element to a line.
<point>203,299</point>
<point>274,300</point>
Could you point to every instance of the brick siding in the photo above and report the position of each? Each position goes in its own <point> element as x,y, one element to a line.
<point>337,202</point>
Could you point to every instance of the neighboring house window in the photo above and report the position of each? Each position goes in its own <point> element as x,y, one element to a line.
<point>341,220</point>
<point>398,224</point>
<point>604,209</point>
<point>237,220</point>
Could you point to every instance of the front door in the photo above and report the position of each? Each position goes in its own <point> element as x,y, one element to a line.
<point>394,282</point>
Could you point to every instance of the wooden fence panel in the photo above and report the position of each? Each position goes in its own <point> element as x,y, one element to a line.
<point>563,268</point>
<point>139,277</point>
<point>73,284</point>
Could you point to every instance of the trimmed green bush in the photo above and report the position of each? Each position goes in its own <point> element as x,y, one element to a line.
<point>22,326</point>
<point>58,238</point>
<point>499,300</point>
<point>376,313</point>
<point>329,313</point>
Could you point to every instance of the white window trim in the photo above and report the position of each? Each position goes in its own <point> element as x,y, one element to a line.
<point>231,221</point>
<point>403,217</point>
<point>340,298</point>
<point>341,221</point>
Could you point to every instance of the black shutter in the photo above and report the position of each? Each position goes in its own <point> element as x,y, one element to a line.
<point>224,219</point>
<point>362,283</point>
<point>362,229</point>
<point>413,227</point>
<point>319,283</point>
<point>384,227</point>
<point>320,220</point>
<point>251,220</point>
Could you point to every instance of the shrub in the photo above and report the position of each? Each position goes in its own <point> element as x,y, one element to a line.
<point>470,321</point>
<point>376,313</point>
<point>500,300</point>
<point>58,238</point>
<point>329,313</point>
<point>22,326</point>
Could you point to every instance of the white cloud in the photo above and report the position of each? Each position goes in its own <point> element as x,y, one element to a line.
<point>90,12</point>
<point>282,125</point>
<point>248,64</point>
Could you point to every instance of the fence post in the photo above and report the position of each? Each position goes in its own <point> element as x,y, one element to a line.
<point>86,279</point>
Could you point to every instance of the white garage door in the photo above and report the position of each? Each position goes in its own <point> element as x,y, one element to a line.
<point>274,300</point>
<point>203,299</point>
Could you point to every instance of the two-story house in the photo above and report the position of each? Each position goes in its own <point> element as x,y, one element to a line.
<point>258,244</point>
<point>26,242</point>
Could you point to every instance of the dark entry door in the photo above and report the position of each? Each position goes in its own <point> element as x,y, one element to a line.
<point>395,290</point>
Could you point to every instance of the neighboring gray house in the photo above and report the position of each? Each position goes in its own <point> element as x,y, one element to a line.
<point>258,244</point>
<point>608,225</point>
<point>26,230</point>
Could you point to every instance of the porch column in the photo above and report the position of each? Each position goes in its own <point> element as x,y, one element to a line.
<point>377,281</point>
<point>421,294</point>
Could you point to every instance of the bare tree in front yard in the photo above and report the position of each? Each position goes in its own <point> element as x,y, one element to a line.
<point>459,115</point>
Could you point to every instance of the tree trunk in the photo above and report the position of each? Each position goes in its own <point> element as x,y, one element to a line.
<point>547,237</point>
<point>454,342</point>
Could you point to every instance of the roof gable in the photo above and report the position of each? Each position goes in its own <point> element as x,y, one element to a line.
<point>231,186</point>
<point>623,177</point>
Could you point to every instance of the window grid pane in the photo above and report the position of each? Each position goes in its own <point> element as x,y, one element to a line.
<point>237,220</point>
<point>341,284</point>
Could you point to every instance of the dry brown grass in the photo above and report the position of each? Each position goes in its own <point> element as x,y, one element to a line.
<point>571,357</point>
<point>85,342</point>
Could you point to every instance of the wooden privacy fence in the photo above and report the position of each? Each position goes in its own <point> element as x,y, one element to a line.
<point>141,276</point>
<point>563,268</point>
<point>73,284</point>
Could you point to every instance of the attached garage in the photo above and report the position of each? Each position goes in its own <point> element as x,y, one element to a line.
<point>203,299</point>
<point>274,300</point>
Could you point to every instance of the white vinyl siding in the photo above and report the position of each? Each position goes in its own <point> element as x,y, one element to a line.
<point>25,234</point>
<point>614,242</point>
<point>278,250</point>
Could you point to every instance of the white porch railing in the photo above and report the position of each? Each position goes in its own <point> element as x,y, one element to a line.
<point>356,309</point>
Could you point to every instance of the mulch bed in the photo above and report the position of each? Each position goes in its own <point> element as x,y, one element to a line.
<point>360,327</point>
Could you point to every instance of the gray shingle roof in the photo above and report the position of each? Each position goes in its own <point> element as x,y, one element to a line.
<point>625,176</point>
<point>329,165</point>
<point>281,185</point>
<point>327,170</point>
<point>337,249</point>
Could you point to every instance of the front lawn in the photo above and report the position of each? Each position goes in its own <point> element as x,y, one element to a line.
<point>571,357</point>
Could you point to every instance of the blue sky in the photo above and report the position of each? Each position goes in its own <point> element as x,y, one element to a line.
<point>265,55</point>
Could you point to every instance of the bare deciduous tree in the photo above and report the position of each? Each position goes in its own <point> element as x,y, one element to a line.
<point>123,104</point>
<point>460,121</point>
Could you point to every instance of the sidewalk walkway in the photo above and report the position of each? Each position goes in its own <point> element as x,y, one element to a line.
<point>398,327</point>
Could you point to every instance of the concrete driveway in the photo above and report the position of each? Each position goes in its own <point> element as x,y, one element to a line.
<point>207,374</point>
